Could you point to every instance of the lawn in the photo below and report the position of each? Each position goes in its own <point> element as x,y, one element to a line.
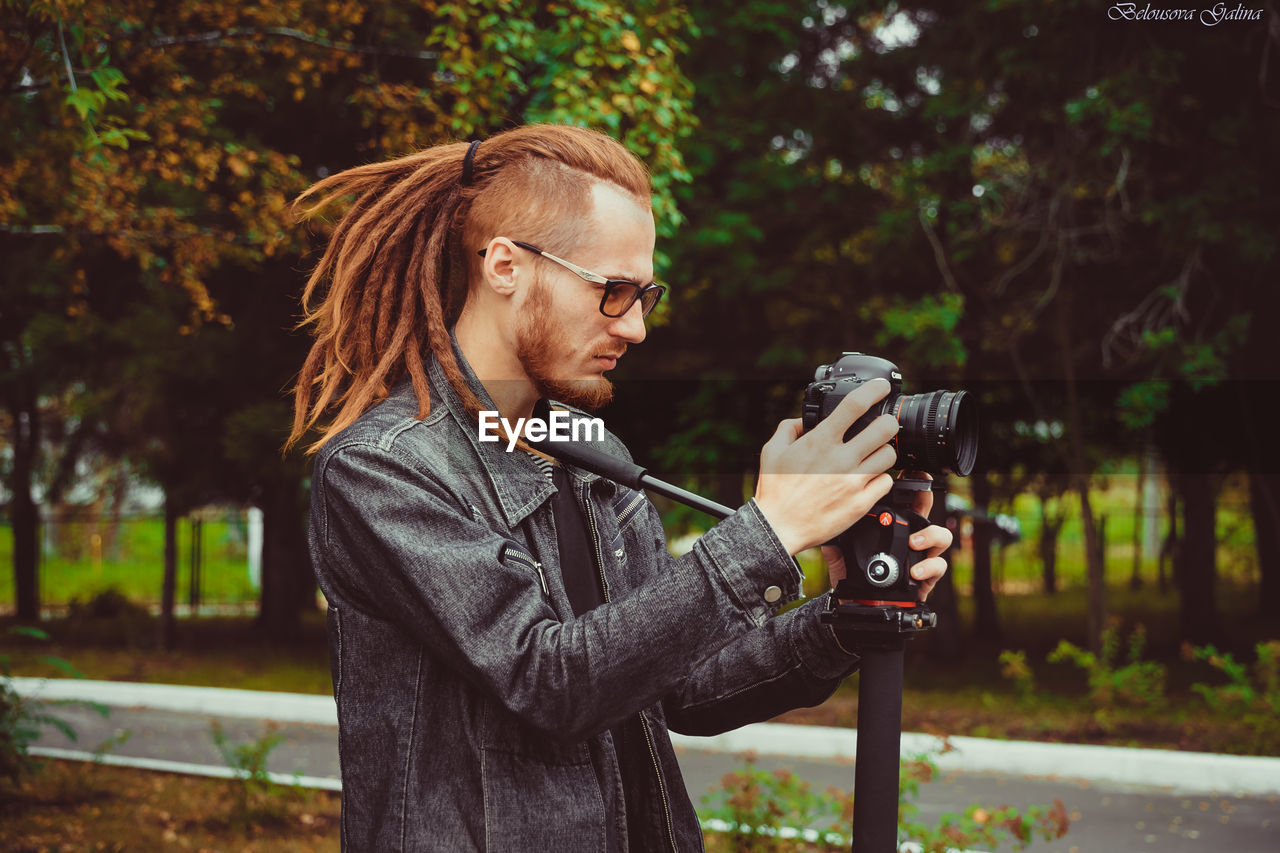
<point>969,697</point>
<point>79,806</point>
<point>81,558</point>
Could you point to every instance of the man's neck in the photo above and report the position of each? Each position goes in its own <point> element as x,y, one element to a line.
<point>497,368</point>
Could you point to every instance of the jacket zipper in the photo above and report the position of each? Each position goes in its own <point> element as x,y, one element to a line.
<point>533,564</point>
<point>631,508</point>
<point>644,724</point>
<point>595,542</point>
<point>662,785</point>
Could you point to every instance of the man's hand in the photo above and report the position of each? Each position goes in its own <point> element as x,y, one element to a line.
<point>928,571</point>
<point>814,485</point>
<point>933,539</point>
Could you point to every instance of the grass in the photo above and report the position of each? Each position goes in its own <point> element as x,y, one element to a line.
<point>129,556</point>
<point>79,806</point>
<point>213,651</point>
<point>81,558</point>
<point>969,698</point>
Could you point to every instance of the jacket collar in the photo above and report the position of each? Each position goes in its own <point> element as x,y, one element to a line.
<point>518,480</point>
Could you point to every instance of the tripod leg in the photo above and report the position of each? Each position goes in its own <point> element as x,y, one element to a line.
<point>875,804</point>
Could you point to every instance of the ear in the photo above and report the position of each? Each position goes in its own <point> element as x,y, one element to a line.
<point>501,268</point>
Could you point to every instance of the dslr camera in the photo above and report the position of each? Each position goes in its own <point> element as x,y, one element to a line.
<point>937,433</point>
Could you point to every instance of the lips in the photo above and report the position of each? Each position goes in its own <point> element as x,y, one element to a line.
<point>609,359</point>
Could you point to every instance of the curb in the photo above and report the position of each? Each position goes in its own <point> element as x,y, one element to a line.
<point>1172,770</point>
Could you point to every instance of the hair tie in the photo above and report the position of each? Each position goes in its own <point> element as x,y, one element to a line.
<point>468,161</point>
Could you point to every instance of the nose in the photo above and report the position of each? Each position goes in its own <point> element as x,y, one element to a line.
<point>630,326</point>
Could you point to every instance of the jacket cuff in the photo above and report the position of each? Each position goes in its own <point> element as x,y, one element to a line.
<point>823,651</point>
<point>757,570</point>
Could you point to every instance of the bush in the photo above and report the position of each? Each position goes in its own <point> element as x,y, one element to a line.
<point>1014,667</point>
<point>256,795</point>
<point>1253,700</point>
<point>109,618</point>
<point>775,812</point>
<point>22,719</point>
<point>1133,683</point>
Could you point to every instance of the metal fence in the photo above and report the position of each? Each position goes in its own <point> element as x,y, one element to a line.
<point>83,553</point>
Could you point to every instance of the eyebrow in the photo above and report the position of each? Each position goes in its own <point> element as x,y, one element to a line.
<point>634,279</point>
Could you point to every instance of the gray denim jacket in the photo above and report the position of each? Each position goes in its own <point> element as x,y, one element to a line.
<point>474,708</point>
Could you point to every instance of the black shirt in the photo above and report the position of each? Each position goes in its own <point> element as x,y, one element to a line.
<point>583,585</point>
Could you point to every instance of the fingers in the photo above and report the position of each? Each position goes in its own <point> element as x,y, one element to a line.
<point>854,405</point>
<point>783,437</point>
<point>835,563</point>
<point>882,458</point>
<point>788,430</point>
<point>928,573</point>
<point>935,539</point>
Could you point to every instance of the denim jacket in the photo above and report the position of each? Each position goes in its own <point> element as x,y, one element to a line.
<point>474,708</point>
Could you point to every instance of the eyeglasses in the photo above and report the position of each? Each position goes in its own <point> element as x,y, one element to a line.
<point>619,294</point>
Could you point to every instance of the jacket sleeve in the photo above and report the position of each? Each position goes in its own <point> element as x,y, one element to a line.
<point>392,540</point>
<point>790,661</point>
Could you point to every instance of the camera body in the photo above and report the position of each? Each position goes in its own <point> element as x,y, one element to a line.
<point>937,432</point>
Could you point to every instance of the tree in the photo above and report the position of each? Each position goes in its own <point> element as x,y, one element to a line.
<point>180,131</point>
<point>1005,228</point>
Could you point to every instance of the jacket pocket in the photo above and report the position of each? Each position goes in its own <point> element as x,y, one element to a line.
<point>513,554</point>
<point>619,548</point>
<point>533,805</point>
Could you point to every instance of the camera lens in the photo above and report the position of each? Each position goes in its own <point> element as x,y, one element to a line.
<point>938,431</point>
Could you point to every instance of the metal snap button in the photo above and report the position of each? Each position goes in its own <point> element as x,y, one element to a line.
<point>772,594</point>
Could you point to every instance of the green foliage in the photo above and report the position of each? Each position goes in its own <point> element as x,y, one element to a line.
<point>131,561</point>
<point>1014,667</point>
<point>977,827</point>
<point>1131,682</point>
<point>924,330</point>
<point>759,810</point>
<point>1142,402</point>
<point>108,617</point>
<point>1251,699</point>
<point>255,794</point>
<point>22,719</point>
<point>755,811</point>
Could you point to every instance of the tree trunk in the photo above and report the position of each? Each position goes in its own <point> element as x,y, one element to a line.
<point>945,642</point>
<point>1102,542</point>
<point>1097,615</point>
<point>23,513</point>
<point>1050,527</point>
<point>168,592</point>
<point>1079,467</point>
<point>986,623</point>
<point>1169,547</point>
<point>1139,516</point>
<point>1264,503</point>
<point>1195,568</point>
<point>288,585</point>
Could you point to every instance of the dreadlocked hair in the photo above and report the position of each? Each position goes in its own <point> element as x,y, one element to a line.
<point>396,272</point>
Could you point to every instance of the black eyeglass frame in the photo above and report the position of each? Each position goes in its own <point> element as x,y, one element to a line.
<point>639,292</point>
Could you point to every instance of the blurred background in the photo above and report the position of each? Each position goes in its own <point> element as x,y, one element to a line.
<point>1070,214</point>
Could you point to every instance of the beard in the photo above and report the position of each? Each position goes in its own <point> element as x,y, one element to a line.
<point>537,339</point>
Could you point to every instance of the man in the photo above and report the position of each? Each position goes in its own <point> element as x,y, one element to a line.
<point>510,639</point>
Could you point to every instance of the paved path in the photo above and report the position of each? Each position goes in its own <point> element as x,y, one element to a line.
<point>1107,817</point>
